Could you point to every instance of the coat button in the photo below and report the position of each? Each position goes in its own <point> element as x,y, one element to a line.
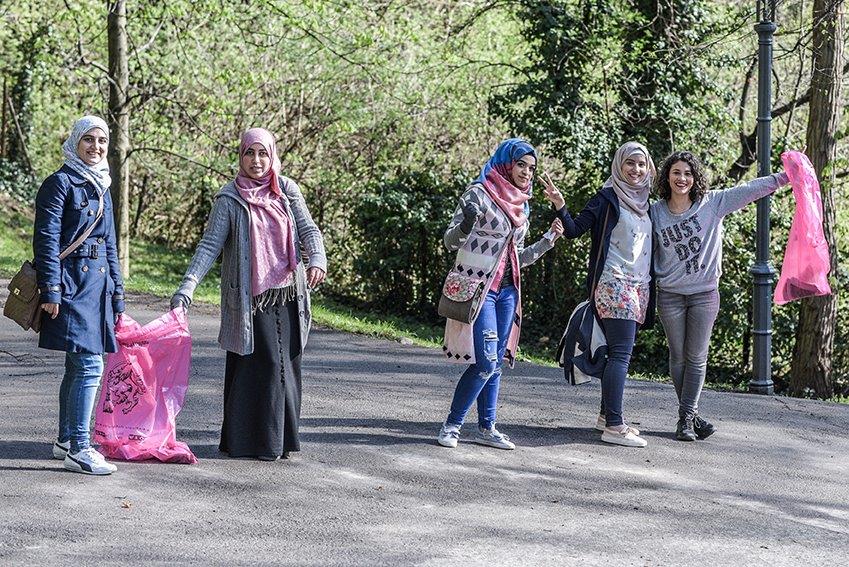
<point>85,268</point>
<point>84,203</point>
<point>102,270</point>
<point>91,213</point>
<point>100,241</point>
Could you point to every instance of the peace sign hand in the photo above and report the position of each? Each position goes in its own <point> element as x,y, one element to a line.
<point>551,192</point>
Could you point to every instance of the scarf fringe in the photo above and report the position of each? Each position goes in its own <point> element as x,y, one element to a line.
<point>272,297</point>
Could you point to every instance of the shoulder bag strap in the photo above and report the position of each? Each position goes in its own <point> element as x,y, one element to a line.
<point>76,243</point>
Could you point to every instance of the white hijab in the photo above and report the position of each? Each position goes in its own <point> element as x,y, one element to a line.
<point>635,197</point>
<point>96,174</point>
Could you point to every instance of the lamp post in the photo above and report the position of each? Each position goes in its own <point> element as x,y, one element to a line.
<point>762,270</point>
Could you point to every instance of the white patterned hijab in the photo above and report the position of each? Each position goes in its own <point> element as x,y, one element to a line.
<point>635,197</point>
<point>96,174</point>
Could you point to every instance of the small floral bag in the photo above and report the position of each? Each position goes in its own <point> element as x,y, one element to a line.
<point>461,296</point>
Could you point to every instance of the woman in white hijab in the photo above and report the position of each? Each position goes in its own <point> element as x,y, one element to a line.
<point>619,278</point>
<point>82,293</point>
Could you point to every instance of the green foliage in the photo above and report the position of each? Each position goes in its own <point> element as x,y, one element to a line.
<point>400,223</point>
<point>16,181</point>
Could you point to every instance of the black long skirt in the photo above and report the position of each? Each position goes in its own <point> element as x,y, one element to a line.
<point>262,390</point>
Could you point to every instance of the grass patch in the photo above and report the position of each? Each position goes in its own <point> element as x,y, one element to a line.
<point>158,270</point>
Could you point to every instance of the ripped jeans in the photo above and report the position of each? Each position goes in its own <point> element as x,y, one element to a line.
<point>481,380</point>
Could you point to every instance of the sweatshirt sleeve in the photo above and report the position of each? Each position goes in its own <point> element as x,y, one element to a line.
<point>730,200</point>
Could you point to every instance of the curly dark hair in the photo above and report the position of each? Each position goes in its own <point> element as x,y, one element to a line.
<point>700,180</point>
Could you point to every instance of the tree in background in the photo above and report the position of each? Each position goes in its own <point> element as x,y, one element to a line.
<point>119,126</point>
<point>811,372</point>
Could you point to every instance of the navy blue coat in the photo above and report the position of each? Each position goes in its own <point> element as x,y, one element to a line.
<point>87,284</point>
<point>592,218</point>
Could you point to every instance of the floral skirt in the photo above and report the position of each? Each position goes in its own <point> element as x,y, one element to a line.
<point>621,299</point>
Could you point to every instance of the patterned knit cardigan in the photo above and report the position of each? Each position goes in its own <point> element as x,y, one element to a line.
<point>479,253</point>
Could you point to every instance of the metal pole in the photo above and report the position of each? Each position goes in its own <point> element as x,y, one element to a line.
<point>762,270</point>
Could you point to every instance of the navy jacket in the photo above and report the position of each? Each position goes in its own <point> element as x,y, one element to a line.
<point>591,218</point>
<point>87,284</point>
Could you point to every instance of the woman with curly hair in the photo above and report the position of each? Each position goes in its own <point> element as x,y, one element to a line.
<point>687,225</point>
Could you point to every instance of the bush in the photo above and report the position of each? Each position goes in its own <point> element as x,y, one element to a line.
<point>399,225</point>
<point>17,182</point>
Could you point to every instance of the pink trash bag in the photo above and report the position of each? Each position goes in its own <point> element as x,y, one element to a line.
<point>804,271</point>
<point>143,389</point>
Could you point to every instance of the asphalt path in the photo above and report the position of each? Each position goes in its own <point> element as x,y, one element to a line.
<point>372,487</point>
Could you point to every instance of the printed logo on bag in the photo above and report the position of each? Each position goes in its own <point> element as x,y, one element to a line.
<point>123,388</point>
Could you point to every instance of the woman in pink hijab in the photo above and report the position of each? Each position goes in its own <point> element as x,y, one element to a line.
<point>261,227</point>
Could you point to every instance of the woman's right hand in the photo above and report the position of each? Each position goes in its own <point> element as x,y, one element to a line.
<point>51,308</point>
<point>180,300</point>
<point>471,214</point>
<point>552,193</point>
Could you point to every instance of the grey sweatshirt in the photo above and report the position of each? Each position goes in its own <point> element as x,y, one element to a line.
<point>688,247</point>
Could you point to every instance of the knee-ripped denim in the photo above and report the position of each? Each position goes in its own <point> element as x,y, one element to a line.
<point>482,379</point>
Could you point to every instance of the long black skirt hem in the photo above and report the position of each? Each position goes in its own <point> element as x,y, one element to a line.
<point>262,390</point>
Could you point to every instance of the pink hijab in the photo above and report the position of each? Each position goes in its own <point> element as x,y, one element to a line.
<point>272,241</point>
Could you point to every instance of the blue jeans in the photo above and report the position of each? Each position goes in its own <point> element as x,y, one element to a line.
<point>77,396</point>
<point>481,380</point>
<point>620,334</point>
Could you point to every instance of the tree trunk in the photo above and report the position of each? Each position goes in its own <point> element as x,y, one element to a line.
<point>119,123</point>
<point>811,370</point>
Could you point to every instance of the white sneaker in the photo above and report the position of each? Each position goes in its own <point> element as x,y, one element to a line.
<point>61,449</point>
<point>448,435</point>
<point>625,437</point>
<point>493,438</point>
<point>601,425</point>
<point>88,461</point>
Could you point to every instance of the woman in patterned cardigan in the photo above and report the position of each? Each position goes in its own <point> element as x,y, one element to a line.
<point>488,233</point>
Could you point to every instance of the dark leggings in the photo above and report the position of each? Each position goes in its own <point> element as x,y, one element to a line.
<point>620,334</point>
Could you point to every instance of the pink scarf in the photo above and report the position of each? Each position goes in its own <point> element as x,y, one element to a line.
<point>508,197</point>
<point>272,242</point>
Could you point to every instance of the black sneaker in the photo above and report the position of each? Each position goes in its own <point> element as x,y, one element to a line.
<point>684,431</point>
<point>703,427</point>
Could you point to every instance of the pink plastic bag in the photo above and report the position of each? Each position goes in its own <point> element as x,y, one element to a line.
<point>804,272</point>
<point>143,389</point>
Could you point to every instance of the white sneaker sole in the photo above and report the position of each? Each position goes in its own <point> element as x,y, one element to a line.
<point>450,443</point>
<point>623,440</point>
<point>488,443</point>
<point>73,466</point>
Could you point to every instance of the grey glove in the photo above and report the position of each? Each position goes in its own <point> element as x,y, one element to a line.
<point>471,214</point>
<point>180,300</point>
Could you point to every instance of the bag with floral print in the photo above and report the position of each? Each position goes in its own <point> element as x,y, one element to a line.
<point>461,296</point>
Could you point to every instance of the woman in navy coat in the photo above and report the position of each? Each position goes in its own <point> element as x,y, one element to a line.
<point>81,295</point>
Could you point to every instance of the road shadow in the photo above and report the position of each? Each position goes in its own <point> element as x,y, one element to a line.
<point>377,432</point>
<point>20,449</point>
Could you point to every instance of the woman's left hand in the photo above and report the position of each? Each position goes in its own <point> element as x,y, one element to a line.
<point>552,193</point>
<point>557,228</point>
<point>315,276</point>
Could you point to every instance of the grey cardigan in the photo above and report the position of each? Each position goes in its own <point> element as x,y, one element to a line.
<point>228,232</point>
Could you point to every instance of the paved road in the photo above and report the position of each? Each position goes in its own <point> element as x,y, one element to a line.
<point>372,487</point>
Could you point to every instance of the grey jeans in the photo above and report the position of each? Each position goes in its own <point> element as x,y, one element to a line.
<point>688,322</point>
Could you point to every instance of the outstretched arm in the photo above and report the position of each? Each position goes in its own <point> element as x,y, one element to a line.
<point>734,199</point>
